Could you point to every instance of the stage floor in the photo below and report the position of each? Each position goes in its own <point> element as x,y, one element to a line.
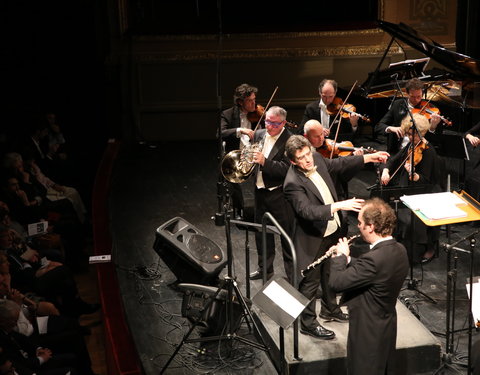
<point>155,183</point>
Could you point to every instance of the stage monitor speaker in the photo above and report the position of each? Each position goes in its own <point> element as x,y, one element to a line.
<point>190,255</point>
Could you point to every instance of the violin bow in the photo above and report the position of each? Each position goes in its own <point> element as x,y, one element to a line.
<point>340,121</point>
<point>265,110</point>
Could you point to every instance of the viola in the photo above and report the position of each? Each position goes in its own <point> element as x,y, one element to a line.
<point>344,148</point>
<point>346,111</point>
<point>427,109</point>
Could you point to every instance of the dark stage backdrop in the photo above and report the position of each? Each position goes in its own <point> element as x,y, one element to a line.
<point>177,17</point>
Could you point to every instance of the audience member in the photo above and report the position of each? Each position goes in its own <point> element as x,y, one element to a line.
<point>24,353</point>
<point>52,280</point>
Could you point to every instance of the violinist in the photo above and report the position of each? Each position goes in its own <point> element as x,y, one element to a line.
<point>472,135</point>
<point>237,132</point>
<point>472,177</point>
<point>389,125</point>
<point>426,169</point>
<point>325,109</point>
<point>315,133</point>
<point>236,127</point>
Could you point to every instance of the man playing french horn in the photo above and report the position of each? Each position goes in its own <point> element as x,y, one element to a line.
<point>270,170</point>
<point>311,192</point>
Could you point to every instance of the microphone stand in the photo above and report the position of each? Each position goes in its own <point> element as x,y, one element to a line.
<point>221,183</point>
<point>412,283</point>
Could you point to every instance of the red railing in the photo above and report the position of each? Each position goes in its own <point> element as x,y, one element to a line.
<point>122,357</point>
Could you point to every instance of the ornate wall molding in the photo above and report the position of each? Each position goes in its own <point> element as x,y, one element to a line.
<point>273,53</point>
<point>256,37</point>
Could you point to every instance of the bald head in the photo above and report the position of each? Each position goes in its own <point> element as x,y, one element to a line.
<point>314,132</point>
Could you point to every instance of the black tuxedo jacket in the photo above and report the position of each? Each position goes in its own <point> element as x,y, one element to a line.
<point>311,213</point>
<point>229,122</point>
<point>371,285</point>
<point>277,163</point>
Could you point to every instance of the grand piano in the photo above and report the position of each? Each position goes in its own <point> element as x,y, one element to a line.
<point>452,89</point>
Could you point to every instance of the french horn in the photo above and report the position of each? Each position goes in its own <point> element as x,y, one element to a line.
<point>238,165</point>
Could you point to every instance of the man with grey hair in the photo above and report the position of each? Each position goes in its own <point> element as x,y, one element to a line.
<point>271,167</point>
<point>26,356</point>
<point>311,192</point>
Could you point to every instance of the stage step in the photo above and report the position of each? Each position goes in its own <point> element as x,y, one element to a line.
<point>418,350</point>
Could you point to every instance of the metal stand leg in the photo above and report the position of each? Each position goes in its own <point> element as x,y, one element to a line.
<point>232,287</point>
<point>452,250</point>
<point>412,282</point>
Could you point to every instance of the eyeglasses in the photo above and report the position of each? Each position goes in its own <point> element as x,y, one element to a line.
<point>274,124</point>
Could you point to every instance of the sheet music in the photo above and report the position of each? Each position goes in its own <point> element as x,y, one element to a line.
<point>283,299</point>
<point>475,300</point>
<point>436,206</point>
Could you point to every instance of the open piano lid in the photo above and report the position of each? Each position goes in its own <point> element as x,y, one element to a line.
<point>455,85</point>
<point>462,66</point>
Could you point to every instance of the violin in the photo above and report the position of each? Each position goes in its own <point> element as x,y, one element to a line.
<point>347,109</point>
<point>418,152</point>
<point>334,106</point>
<point>256,115</point>
<point>344,148</point>
<point>427,109</point>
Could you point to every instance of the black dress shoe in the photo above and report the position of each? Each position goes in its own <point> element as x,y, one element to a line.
<point>319,333</point>
<point>258,275</point>
<point>426,260</point>
<point>338,317</point>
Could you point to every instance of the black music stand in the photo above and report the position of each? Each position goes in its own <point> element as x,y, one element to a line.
<point>253,227</point>
<point>451,145</point>
<point>471,211</point>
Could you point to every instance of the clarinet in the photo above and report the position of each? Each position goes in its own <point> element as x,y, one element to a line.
<point>327,255</point>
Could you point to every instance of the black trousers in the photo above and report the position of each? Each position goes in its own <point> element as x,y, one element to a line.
<point>319,276</point>
<point>274,202</point>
